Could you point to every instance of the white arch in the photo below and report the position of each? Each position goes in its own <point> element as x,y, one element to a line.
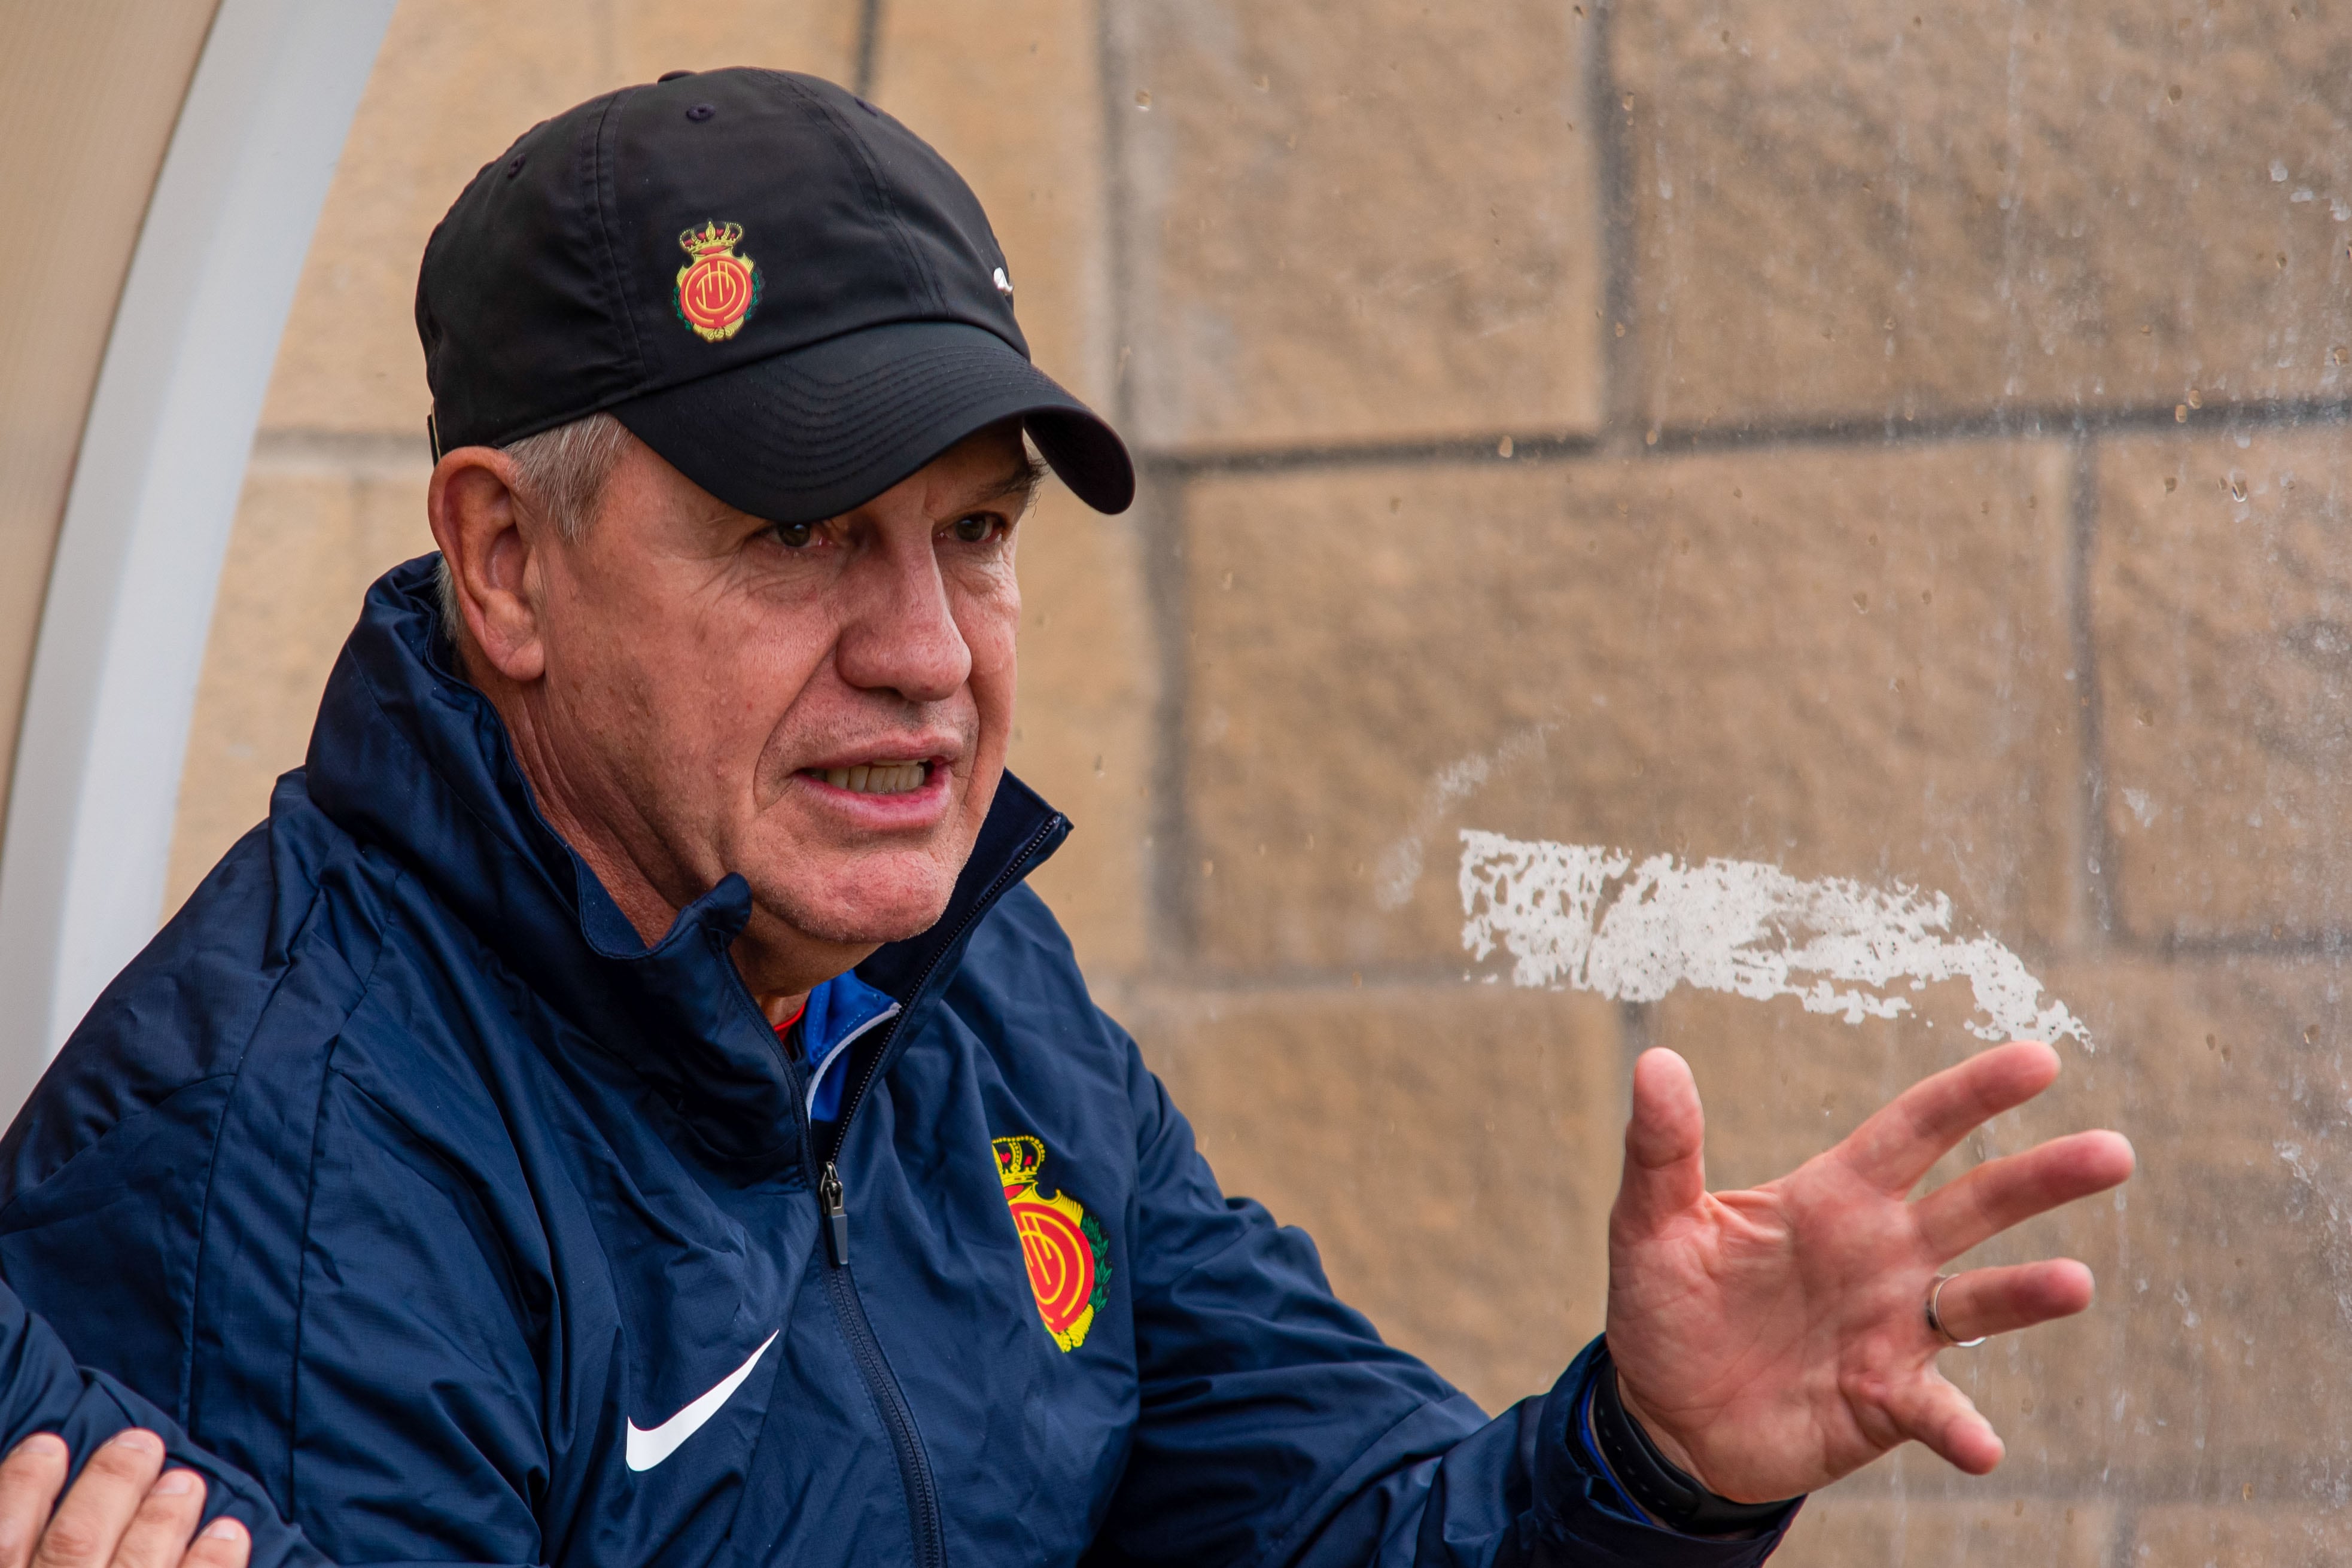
<point>113,682</point>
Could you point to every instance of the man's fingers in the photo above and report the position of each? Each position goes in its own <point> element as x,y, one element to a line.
<point>90,1524</point>
<point>30,1479</point>
<point>223,1544</point>
<point>1973,1208</point>
<point>1931,1411</point>
<point>1665,1173</point>
<point>2002,1301</point>
<point>1895,1147</point>
<point>167,1517</point>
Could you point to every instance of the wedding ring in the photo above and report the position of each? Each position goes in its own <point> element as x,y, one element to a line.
<point>1935,1320</point>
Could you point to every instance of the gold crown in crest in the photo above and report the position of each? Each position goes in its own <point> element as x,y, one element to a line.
<point>711,239</point>
<point>1018,1159</point>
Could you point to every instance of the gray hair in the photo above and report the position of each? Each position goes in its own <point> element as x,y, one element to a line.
<point>559,473</point>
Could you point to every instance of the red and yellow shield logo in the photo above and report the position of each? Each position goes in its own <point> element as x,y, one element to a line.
<point>717,289</point>
<point>1068,1254</point>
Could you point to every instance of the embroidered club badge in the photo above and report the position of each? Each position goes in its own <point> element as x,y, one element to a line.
<point>1068,1254</point>
<point>718,290</point>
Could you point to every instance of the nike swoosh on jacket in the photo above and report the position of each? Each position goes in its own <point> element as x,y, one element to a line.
<point>648,1447</point>
<point>408,1178</point>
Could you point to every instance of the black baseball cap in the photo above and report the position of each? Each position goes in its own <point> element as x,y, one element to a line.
<point>778,288</point>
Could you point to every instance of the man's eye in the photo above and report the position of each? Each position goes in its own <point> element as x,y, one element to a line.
<point>794,536</point>
<point>978,528</point>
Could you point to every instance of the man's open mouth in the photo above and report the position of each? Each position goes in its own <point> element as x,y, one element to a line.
<point>875,777</point>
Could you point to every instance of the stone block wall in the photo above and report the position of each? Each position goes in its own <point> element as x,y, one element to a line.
<point>1901,443</point>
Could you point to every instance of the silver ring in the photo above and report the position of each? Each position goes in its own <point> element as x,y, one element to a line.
<point>1936,1320</point>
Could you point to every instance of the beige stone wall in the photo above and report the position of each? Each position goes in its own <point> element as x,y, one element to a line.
<point>1903,444</point>
<point>88,96</point>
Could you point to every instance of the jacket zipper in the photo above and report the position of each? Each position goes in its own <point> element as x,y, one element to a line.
<point>833,1202</point>
<point>837,1216</point>
<point>914,1469</point>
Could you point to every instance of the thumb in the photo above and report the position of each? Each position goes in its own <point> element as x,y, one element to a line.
<point>1665,1172</point>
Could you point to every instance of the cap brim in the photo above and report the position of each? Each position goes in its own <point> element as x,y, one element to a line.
<point>803,437</point>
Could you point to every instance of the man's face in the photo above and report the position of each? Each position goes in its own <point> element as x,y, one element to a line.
<point>822,708</point>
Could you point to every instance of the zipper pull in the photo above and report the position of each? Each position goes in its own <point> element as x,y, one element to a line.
<point>837,1216</point>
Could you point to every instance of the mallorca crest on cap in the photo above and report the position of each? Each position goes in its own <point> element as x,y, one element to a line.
<point>718,288</point>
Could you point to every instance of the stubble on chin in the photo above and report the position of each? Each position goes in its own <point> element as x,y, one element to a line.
<point>848,894</point>
<point>850,904</point>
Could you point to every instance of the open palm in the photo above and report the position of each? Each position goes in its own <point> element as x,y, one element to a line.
<point>1774,1340</point>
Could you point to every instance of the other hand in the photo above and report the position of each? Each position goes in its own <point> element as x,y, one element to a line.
<point>124,1511</point>
<point>1774,1340</point>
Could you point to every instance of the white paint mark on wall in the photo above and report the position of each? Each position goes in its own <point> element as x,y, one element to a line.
<point>1400,866</point>
<point>1590,918</point>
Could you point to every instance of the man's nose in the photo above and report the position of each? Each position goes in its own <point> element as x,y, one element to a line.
<point>901,633</point>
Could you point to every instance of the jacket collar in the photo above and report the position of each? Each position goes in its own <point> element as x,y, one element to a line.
<point>409,755</point>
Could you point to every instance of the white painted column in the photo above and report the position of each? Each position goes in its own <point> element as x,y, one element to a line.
<point>155,491</point>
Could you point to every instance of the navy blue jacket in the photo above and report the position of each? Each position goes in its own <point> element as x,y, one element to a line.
<point>404,1175</point>
<point>41,1390</point>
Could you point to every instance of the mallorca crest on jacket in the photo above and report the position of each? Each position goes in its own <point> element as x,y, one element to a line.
<point>1068,1254</point>
<point>718,290</point>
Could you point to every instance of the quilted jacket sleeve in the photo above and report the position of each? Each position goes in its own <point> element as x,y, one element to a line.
<point>419,1433</point>
<point>41,1390</point>
<point>1277,1428</point>
<point>360,1273</point>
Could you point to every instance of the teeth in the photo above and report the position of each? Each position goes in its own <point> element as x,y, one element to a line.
<point>877,778</point>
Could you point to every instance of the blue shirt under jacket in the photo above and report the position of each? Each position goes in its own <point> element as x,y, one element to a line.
<point>408,1179</point>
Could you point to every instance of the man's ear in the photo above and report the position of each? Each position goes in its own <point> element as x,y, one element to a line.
<point>494,563</point>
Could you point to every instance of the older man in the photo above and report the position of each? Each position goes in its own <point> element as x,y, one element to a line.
<point>623,1107</point>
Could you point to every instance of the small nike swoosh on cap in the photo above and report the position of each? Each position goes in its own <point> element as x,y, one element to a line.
<point>649,1447</point>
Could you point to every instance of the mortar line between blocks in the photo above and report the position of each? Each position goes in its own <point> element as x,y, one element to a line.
<point>1636,1032</point>
<point>2098,847</point>
<point>869,46</point>
<point>1624,392</point>
<point>1174,883</point>
<point>1882,432</point>
<point>1118,201</point>
<point>1170,897</point>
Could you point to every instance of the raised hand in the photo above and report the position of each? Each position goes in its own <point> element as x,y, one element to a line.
<point>1774,1340</point>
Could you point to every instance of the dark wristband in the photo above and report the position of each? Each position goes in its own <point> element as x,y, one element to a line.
<point>1656,1482</point>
